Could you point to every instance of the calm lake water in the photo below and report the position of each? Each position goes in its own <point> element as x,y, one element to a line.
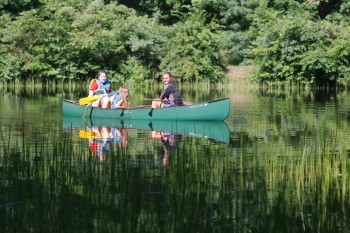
<point>279,163</point>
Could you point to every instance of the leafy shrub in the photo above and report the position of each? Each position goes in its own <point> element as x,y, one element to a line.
<point>191,51</point>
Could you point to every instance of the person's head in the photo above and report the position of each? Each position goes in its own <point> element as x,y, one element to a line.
<point>102,76</point>
<point>167,77</point>
<point>124,93</point>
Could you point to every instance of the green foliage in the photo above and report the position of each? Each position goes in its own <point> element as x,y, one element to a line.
<point>233,47</point>
<point>342,14</point>
<point>234,15</point>
<point>98,36</point>
<point>70,41</point>
<point>191,53</point>
<point>290,40</point>
<point>18,6</point>
<point>11,68</point>
<point>327,7</point>
<point>296,48</point>
<point>167,12</point>
<point>339,54</point>
<point>133,71</point>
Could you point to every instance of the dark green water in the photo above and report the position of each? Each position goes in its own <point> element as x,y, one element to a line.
<point>279,163</point>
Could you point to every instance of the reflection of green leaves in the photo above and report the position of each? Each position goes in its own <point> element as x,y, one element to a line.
<point>278,166</point>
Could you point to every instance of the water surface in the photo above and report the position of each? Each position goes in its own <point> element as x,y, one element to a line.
<point>279,163</point>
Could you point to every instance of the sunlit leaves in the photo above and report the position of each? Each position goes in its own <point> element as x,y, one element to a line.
<point>131,71</point>
<point>193,39</point>
<point>296,48</point>
<point>11,68</point>
<point>192,52</point>
<point>68,39</point>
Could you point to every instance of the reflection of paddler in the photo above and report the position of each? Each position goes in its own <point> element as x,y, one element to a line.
<point>169,142</point>
<point>101,142</point>
<point>121,136</point>
<point>100,139</point>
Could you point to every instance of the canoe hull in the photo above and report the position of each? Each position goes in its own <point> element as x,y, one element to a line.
<point>214,130</point>
<point>216,110</point>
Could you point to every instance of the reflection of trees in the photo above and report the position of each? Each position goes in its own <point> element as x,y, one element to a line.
<point>305,186</point>
<point>205,187</point>
<point>291,115</point>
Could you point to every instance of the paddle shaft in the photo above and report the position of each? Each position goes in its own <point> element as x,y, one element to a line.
<point>188,103</point>
<point>155,100</point>
<point>138,106</point>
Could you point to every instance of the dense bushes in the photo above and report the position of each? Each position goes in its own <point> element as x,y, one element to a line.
<point>289,40</point>
<point>64,41</point>
<point>295,46</point>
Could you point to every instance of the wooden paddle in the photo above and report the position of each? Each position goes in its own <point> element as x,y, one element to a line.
<point>138,106</point>
<point>187,103</point>
<point>155,100</point>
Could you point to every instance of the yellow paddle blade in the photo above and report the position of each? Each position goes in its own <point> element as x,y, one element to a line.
<point>87,134</point>
<point>90,99</point>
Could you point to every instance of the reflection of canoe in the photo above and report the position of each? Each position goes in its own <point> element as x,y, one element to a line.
<point>215,130</point>
<point>216,110</point>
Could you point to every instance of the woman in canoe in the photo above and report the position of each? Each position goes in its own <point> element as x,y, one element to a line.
<point>171,95</point>
<point>103,86</point>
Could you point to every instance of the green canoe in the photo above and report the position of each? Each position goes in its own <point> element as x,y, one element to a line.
<point>216,110</point>
<point>214,130</point>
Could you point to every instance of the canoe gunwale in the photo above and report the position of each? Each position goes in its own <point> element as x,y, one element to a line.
<point>146,106</point>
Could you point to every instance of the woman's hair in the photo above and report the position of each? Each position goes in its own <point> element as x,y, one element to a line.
<point>102,72</point>
<point>124,94</point>
<point>168,73</point>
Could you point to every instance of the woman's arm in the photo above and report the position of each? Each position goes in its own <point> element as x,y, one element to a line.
<point>168,90</point>
<point>93,87</point>
<point>91,93</point>
<point>120,103</point>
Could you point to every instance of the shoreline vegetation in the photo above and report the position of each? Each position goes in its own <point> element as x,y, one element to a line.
<point>232,74</point>
<point>291,41</point>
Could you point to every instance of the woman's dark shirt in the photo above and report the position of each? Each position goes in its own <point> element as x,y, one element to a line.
<point>173,95</point>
